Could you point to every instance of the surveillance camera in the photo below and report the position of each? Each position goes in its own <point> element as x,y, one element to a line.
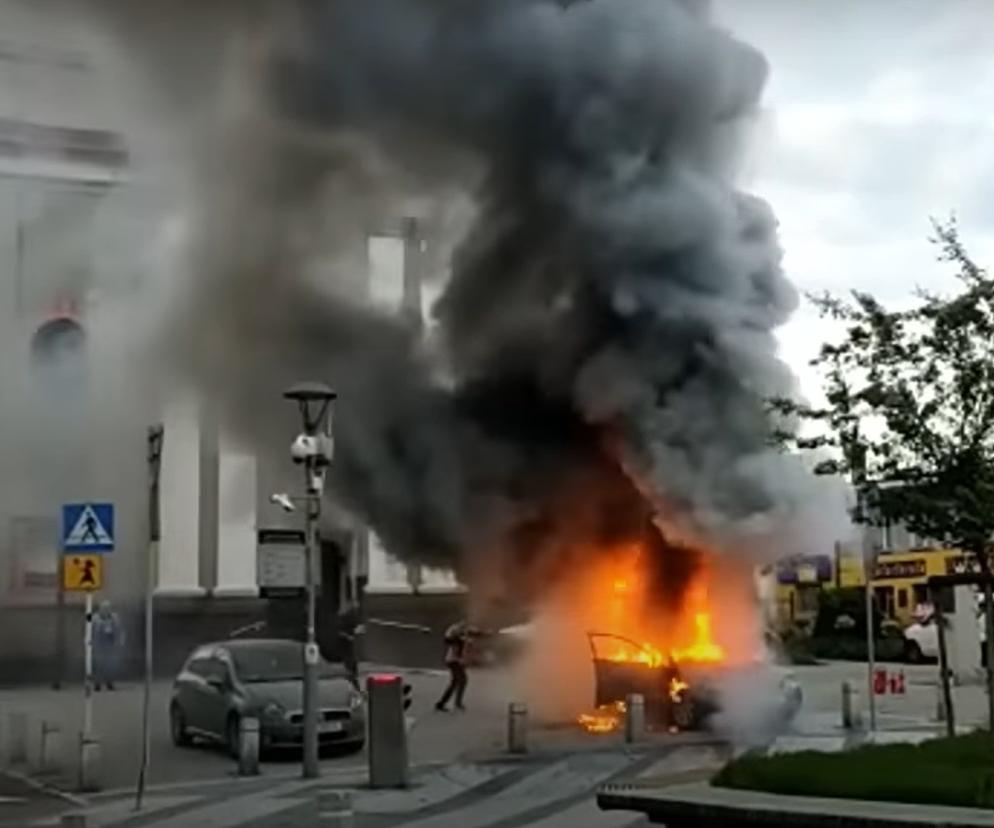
<point>319,448</point>
<point>304,448</point>
<point>283,500</point>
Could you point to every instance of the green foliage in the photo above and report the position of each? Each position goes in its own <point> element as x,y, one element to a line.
<point>850,601</point>
<point>848,647</point>
<point>910,406</point>
<point>953,771</point>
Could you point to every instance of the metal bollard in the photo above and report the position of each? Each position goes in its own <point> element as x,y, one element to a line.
<point>634,717</point>
<point>50,749</point>
<point>89,763</point>
<point>17,739</point>
<point>73,820</point>
<point>851,718</point>
<point>248,747</point>
<point>517,728</point>
<point>335,809</point>
<point>940,704</point>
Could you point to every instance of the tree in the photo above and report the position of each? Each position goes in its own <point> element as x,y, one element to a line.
<point>909,413</point>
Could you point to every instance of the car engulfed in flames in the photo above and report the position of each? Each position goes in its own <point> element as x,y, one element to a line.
<point>679,682</point>
<point>676,697</point>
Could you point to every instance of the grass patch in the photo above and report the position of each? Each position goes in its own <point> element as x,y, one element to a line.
<point>957,771</point>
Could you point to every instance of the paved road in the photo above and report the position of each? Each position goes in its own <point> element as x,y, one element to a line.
<point>117,718</point>
<point>23,804</point>
<point>435,738</point>
<point>550,791</point>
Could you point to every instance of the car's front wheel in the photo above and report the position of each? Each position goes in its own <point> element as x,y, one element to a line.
<point>684,715</point>
<point>177,726</point>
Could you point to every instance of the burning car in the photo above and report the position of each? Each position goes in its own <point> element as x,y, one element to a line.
<point>678,696</point>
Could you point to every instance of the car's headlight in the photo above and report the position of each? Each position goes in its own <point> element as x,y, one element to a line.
<point>273,711</point>
<point>356,700</point>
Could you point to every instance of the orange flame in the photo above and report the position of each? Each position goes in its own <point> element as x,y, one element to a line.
<point>604,719</point>
<point>676,689</point>
<point>704,649</point>
<point>617,600</point>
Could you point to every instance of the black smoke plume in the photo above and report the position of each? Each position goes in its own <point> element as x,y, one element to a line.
<point>605,341</point>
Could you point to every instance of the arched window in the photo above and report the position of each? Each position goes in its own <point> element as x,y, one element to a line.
<point>58,356</point>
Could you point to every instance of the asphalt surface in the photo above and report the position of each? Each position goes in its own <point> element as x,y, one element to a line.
<point>23,803</point>
<point>463,778</point>
<point>117,721</point>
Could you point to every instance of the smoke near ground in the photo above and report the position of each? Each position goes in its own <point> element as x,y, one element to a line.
<point>605,341</point>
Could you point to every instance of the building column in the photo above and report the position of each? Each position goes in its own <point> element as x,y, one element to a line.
<point>237,521</point>
<point>386,573</point>
<point>179,549</point>
<point>209,496</point>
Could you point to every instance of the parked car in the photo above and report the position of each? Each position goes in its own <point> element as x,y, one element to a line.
<point>921,639</point>
<point>223,682</point>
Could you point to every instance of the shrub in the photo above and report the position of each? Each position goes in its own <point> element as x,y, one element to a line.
<point>956,771</point>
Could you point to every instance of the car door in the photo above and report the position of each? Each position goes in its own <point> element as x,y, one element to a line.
<point>217,696</point>
<point>191,691</point>
<point>186,688</point>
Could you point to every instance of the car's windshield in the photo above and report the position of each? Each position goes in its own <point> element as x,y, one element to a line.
<point>276,662</point>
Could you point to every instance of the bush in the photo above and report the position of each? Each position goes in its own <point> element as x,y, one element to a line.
<point>957,771</point>
<point>848,603</point>
<point>849,648</point>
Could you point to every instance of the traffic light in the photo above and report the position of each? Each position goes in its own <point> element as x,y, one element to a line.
<point>408,699</point>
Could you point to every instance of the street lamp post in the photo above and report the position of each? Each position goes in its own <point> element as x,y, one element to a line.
<point>313,449</point>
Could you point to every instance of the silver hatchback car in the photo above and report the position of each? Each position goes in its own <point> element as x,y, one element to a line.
<point>223,682</point>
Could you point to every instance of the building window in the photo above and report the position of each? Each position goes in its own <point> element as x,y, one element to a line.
<point>902,599</point>
<point>807,599</point>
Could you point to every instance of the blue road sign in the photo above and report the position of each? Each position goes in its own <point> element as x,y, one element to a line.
<point>88,527</point>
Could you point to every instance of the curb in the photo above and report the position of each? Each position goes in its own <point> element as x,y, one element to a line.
<point>46,788</point>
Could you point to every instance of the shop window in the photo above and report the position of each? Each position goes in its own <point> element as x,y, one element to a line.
<point>807,599</point>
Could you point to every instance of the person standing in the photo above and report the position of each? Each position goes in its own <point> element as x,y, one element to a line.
<point>108,637</point>
<point>457,638</point>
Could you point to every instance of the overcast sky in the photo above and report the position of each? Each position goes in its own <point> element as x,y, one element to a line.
<point>881,113</point>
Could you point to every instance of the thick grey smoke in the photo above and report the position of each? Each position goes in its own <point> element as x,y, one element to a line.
<point>606,340</point>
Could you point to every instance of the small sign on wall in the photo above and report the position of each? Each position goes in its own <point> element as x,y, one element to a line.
<point>282,563</point>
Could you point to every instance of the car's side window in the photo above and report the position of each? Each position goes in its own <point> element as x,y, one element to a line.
<point>217,669</point>
<point>198,667</point>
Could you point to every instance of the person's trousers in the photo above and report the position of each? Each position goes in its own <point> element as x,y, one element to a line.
<point>457,685</point>
<point>104,666</point>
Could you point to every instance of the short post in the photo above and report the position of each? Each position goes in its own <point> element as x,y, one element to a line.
<point>335,809</point>
<point>940,704</point>
<point>17,738</point>
<point>387,732</point>
<point>50,752</point>
<point>517,728</point>
<point>634,717</point>
<point>851,718</point>
<point>248,746</point>
<point>73,820</point>
<point>89,763</point>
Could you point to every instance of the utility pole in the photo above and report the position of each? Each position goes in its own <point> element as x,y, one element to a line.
<point>313,449</point>
<point>156,437</point>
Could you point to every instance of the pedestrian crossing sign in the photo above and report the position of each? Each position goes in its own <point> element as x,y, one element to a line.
<point>88,527</point>
<point>82,573</point>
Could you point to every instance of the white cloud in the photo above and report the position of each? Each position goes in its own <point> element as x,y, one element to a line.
<point>881,114</point>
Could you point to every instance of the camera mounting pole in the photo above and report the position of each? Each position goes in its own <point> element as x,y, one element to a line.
<point>313,449</point>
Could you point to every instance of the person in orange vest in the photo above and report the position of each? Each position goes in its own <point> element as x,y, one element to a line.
<point>457,639</point>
